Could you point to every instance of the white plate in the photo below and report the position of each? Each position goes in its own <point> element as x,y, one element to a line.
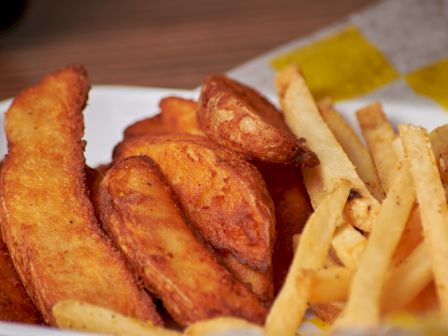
<point>111,108</point>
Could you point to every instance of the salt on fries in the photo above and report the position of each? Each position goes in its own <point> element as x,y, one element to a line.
<point>303,117</point>
<point>433,205</point>
<point>291,303</point>
<point>353,147</point>
<point>364,301</point>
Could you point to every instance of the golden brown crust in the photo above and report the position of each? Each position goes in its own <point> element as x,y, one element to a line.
<point>224,196</point>
<point>179,115</point>
<point>48,222</point>
<point>15,304</point>
<point>292,209</point>
<point>239,118</point>
<point>139,212</point>
<point>259,283</point>
<point>152,125</point>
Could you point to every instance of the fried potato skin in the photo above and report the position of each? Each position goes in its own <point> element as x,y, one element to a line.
<point>239,118</point>
<point>151,125</point>
<point>48,222</point>
<point>259,283</point>
<point>179,115</point>
<point>15,304</point>
<point>292,209</point>
<point>139,212</point>
<point>224,196</point>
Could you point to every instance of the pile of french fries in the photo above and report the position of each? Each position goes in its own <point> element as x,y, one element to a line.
<point>369,243</point>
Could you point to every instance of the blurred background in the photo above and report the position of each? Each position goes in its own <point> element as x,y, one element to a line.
<point>151,43</point>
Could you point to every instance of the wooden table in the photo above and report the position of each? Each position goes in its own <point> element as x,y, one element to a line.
<point>154,43</point>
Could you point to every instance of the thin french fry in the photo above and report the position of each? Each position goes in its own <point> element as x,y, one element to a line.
<point>330,285</point>
<point>303,118</point>
<point>379,135</point>
<point>407,280</point>
<point>82,316</point>
<point>364,302</point>
<point>348,244</point>
<point>353,147</point>
<point>221,325</point>
<point>432,202</point>
<point>439,143</point>
<point>290,305</point>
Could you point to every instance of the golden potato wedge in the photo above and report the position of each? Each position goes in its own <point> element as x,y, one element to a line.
<point>140,214</point>
<point>152,125</point>
<point>47,220</point>
<point>15,304</point>
<point>292,209</point>
<point>179,115</point>
<point>224,196</point>
<point>260,283</point>
<point>239,118</point>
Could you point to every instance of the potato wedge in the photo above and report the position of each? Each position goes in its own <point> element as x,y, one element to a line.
<point>239,118</point>
<point>152,125</point>
<point>303,117</point>
<point>292,209</point>
<point>179,115</point>
<point>224,196</point>
<point>47,220</point>
<point>140,214</point>
<point>15,304</point>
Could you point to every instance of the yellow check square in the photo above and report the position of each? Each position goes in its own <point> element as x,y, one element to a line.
<point>343,65</point>
<point>431,81</point>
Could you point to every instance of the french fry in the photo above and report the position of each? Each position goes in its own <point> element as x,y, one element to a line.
<point>348,244</point>
<point>432,202</point>
<point>407,280</point>
<point>364,302</point>
<point>221,325</point>
<point>330,285</point>
<point>290,305</point>
<point>81,316</point>
<point>379,135</point>
<point>353,147</point>
<point>303,118</point>
<point>439,143</point>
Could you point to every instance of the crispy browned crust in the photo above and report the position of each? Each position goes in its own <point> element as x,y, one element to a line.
<point>259,283</point>
<point>139,212</point>
<point>48,222</point>
<point>15,304</point>
<point>224,196</point>
<point>327,312</point>
<point>152,125</point>
<point>179,115</point>
<point>292,209</point>
<point>239,118</point>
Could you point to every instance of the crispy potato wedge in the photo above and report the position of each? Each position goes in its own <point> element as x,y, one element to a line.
<point>82,316</point>
<point>139,212</point>
<point>260,283</point>
<point>48,222</point>
<point>224,196</point>
<point>292,209</point>
<point>15,304</point>
<point>179,115</point>
<point>152,125</point>
<point>239,118</point>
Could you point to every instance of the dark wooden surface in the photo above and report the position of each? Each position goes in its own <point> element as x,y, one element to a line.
<point>154,43</point>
